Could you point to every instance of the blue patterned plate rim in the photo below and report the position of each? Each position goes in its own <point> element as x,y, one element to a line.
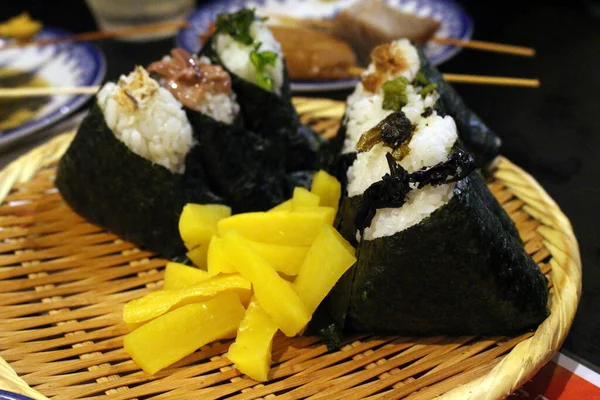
<point>5,395</point>
<point>460,26</point>
<point>95,72</point>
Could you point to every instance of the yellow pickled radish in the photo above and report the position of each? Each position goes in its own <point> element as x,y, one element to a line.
<point>327,260</point>
<point>304,198</point>
<point>199,255</point>
<point>198,222</point>
<point>285,259</point>
<point>328,188</point>
<point>171,337</point>
<point>133,327</point>
<point>157,303</point>
<point>328,213</point>
<point>180,276</point>
<point>275,295</point>
<point>251,351</point>
<point>278,227</point>
<point>285,206</point>
<point>216,261</point>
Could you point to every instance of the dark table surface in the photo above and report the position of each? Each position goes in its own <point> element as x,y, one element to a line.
<point>552,132</point>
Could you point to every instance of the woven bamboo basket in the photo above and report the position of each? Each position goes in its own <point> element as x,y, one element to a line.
<point>64,282</point>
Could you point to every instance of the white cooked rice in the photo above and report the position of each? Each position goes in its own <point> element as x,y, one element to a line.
<point>411,56</point>
<point>364,109</point>
<point>404,49</point>
<point>419,205</point>
<point>417,104</point>
<point>155,128</point>
<point>236,55</point>
<point>431,143</point>
<point>220,106</point>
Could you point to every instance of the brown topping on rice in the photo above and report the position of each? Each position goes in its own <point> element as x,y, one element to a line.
<point>190,79</point>
<point>372,81</point>
<point>387,63</point>
<point>387,60</point>
<point>135,89</point>
<point>130,97</point>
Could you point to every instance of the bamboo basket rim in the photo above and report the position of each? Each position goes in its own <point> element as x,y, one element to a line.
<point>518,366</point>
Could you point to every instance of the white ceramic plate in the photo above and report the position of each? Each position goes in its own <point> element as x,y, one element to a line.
<point>454,23</point>
<point>67,64</point>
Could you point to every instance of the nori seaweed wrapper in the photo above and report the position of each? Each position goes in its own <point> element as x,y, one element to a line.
<point>494,206</point>
<point>299,179</point>
<point>275,117</point>
<point>335,306</point>
<point>242,167</point>
<point>322,324</point>
<point>337,302</point>
<point>333,310</point>
<point>458,272</point>
<point>332,159</point>
<point>337,162</point>
<point>345,218</point>
<point>109,185</point>
<point>345,161</point>
<point>479,139</point>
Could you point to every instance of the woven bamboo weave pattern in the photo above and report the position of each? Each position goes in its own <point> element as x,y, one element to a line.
<point>63,283</point>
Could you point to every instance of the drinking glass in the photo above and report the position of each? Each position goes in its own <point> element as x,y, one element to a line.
<point>116,14</point>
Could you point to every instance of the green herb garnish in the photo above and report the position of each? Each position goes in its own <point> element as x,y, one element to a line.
<point>394,94</point>
<point>428,89</point>
<point>421,79</point>
<point>261,60</point>
<point>237,24</point>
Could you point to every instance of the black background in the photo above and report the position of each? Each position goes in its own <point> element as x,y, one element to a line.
<point>552,132</point>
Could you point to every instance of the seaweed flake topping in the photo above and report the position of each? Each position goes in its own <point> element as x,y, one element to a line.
<point>394,131</point>
<point>458,166</point>
<point>390,191</point>
<point>428,112</point>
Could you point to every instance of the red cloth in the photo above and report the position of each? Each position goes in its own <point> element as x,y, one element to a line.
<point>554,382</point>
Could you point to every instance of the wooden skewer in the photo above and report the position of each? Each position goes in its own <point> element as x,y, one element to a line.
<point>471,44</point>
<point>476,79</point>
<point>46,91</point>
<point>492,80</point>
<point>100,35</point>
<point>486,46</point>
